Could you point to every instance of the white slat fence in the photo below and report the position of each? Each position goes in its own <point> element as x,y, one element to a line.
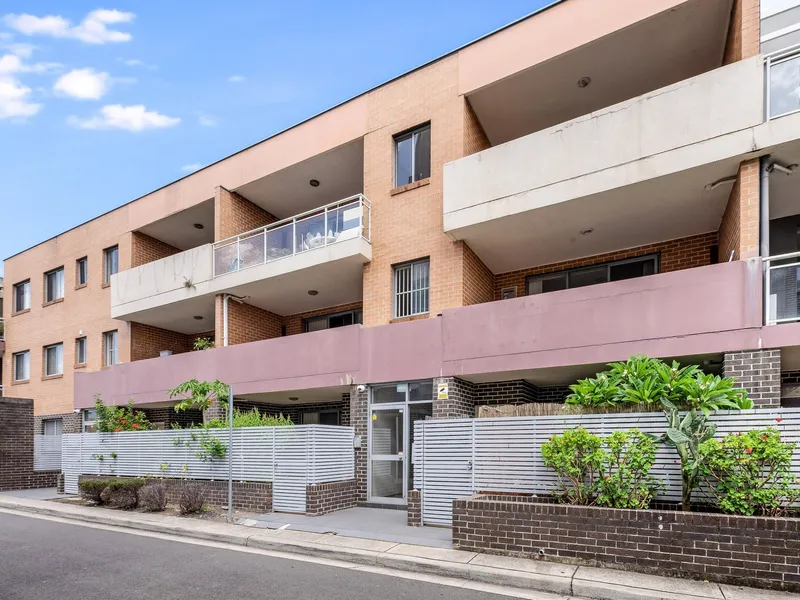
<point>46,452</point>
<point>289,457</point>
<point>454,458</point>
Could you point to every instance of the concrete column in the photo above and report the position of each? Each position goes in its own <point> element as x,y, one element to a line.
<point>759,373</point>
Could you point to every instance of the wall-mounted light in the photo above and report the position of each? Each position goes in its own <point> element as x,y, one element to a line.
<point>587,231</point>
<point>198,318</point>
<point>584,82</point>
<point>314,183</point>
<point>293,398</point>
<point>312,292</point>
<point>199,226</point>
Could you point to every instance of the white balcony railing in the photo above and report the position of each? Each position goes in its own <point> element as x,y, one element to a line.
<point>782,80</point>
<point>317,228</point>
<point>782,291</point>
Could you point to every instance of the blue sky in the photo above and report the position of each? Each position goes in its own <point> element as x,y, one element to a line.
<point>100,104</point>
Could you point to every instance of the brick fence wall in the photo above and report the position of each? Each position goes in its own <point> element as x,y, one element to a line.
<point>16,448</point>
<point>324,498</point>
<point>414,508</point>
<point>251,496</point>
<point>753,551</point>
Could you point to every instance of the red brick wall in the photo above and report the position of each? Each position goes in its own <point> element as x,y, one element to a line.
<point>477,279</point>
<point>324,498</point>
<point>294,323</point>
<point>16,447</point>
<point>739,229</point>
<point>744,32</point>
<point>683,253</point>
<point>235,214</point>
<point>475,138</point>
<point>248,323</point>
<point>147,341</point>
<point>145,249</point>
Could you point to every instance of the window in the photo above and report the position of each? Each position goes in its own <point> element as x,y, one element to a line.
<point>612,271</point>
<point>323,417</point>
<point>54,360</point>
<point>54,285</point>
<point>22,366</point>
<point>80,351</point>
<point>340,319</point>
<point>109,348</point>
<point>110,263</point>
<point>411,285</point>
<point>81,271</point>
<point>89,419</point>
<point>53,427</point>
<point>22,296</point>
<point>412,156</point>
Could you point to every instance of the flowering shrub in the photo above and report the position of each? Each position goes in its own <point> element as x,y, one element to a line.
<point>750,473</point>
<point>119,418</point>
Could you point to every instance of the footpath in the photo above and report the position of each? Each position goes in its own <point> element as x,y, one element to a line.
<point>524,574</point>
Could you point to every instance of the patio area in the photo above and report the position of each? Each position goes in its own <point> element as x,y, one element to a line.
<point>35,494</point>
<point>382,524</point>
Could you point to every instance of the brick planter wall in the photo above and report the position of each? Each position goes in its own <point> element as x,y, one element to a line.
<point>753,551</point>
<point>414,508</point>
<point>16,448</point>
<point>249,496</point>
<point>324,498</point>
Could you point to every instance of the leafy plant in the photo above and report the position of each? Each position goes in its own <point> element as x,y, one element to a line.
<point>576,457</point>
<point>203,343</point>
<point>91,489</point>
<point>211,448</point>
<point>119,418</point>
<point>624,479</point>
<point>191,499</point>
<point>750,473</point>
<point>114,456</point>
<point>199,394</point>
<point>164,467</point>
<point>251,418</point>
<point>153,496</point>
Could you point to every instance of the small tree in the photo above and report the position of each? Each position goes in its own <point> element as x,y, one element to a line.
<point>199,394</point>
<point>112,419</point>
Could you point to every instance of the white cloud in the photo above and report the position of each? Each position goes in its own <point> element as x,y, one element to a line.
<point>15,100</point>
<point>131,118</point>
<point>5,36</point>
<point>206,120</point>
<point>237,78</point>
<point>135,62</point>
<point>12,63</point>
<point>21,50</point>
<point>92,30</point>
<point>83,84</point>
<point>190,168</point>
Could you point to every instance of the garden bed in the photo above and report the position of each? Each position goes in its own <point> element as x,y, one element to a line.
<point>739,550</point>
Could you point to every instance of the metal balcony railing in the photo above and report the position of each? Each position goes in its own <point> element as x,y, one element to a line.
<point>782,81</point>
<point>317,228</point>
<point>781,289</point>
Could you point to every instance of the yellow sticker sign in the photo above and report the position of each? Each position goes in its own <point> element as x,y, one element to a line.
<point>442,391</point>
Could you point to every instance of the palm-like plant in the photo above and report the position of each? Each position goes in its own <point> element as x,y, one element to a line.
<point>199,394</point>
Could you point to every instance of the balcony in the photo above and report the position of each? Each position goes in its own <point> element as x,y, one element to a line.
<point>322,250</point>
<point>631,172</point>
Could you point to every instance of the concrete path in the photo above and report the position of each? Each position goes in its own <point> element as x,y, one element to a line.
<point>380,524</point>
<point>524,574</point>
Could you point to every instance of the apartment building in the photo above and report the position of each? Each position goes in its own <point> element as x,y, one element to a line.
<point>599,179</point>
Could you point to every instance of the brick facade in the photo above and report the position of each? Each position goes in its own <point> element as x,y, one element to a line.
<point>460,401</point>
<point>148,341</point>
<point>249,496</point>
<point>758,372</point>
<point>16,448</point>
<point>293,324</point>
<point>506,392</point>
<point>235,214</point>
<point>414,508</point>
<point>145,249</point>
<point>168,417</point>
<point>477,279</point>
<point>248,323</point>
<point>739,229</point>
<point>744,31</point>
<point>752,551</point>
<point>359,420</point>
<point>71,422</point>
<point>324,498</point>
<point>675,255</point>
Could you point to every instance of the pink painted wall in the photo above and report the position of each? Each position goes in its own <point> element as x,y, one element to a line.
<point>695,311</point>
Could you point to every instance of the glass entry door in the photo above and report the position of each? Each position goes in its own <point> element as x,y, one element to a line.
<point>393,410</point>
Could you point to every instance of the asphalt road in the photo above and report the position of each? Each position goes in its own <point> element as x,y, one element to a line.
<point>41,560</point>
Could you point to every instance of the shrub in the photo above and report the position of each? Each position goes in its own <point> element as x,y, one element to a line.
<point>191,499</point>
<point>251,418</point>
<point>203,343</point>
<point>575,456</point>
<point>92,489</point>
<point>750,473</point>
<point>625,480</point>
<point>119,418</point>
<point>153,496</point>
<point>123,492</point>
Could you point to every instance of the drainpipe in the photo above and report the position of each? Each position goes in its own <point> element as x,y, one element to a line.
<point>766,168</point>
<point>225,298</point>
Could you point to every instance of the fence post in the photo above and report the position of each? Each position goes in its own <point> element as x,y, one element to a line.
<point>230,454</point>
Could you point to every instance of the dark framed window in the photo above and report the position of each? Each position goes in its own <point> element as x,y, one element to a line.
<point>54,360</point>
<point>80,351</point>
<point>82,271</point>
<point>54,285</point>
<point>110,263</point>
<point>321,417</point>
<point>411,288</point>
<point>603,273</point>
<point>22,366</point>
<point>22,295</point>
<point>333,320</point>
<point>110,348</point>
<point>412,155</point>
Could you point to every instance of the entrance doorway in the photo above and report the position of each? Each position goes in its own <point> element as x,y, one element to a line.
<point>394,408</point>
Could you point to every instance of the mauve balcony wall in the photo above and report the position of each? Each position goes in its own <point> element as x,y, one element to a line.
<point>696,311</point>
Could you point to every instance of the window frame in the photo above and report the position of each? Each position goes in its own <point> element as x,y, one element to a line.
<point>107,253</point>
<point>55,422</point>
<point>87,422</point>
<point>358,318</point>
<point>412,135</point>
<point>655,258</point>
<point>83,260</point>
<point>113,334</point>
<point>59,283</point>
<point>15,370</point>
<point>82,340</point>
<point>320,412</point>
<point>46,361</point>
<point>26,295</point>
<point>410,266</point>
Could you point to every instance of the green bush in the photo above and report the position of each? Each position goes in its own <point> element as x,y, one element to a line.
<point>91,489</point>
<point>118,492</point>
<point>251,418</point>
<point>119,418</point>
<point>750,473</point>
<point>576,457</point>
<point>153,496</point>
<point>625,480</point>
